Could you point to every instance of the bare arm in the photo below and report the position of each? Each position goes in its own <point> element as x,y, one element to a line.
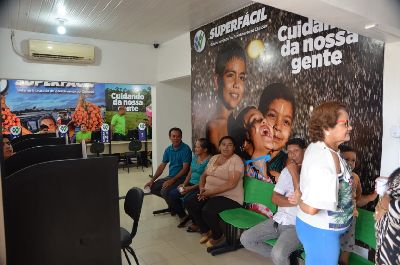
<point>307,208</point>
<point>187,179</point>
<point>294,170</point>
<point>213,131</point>
<point>158,173</point>
<point>365,199</point>
<point>202,181</point>
<point>362,200</point>
<point>280,200</point>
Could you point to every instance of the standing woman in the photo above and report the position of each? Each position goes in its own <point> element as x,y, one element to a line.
<point>387,215</point>
<point>221,188</point>
<point>326,208</point>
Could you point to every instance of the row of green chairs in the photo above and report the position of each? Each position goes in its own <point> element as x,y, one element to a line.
<point>256,191</point>
<point>239,219</point>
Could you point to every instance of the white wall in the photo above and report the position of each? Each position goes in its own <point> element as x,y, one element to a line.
<point>173,109</point>
<point>119,62</point>
<point>174,58</point>
<point>391,110</point>
<point>172,99</point>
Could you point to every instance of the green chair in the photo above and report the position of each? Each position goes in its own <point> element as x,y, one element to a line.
<point>239,219</point>
<point>365,232</point>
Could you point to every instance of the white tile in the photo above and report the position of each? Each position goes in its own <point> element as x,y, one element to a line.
<point>159,241</point>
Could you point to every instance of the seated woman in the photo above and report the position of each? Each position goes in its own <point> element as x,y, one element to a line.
<point>221,188</point>
<point>387,216</point>
<point>190,187</point>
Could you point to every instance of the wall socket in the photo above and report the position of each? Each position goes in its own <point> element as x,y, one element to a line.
<point>395,131</point>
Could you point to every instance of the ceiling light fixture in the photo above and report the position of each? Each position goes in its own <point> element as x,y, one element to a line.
<point>61,28</point>
<point>370,26</point>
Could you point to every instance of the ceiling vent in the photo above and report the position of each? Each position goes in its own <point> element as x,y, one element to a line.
<point>43,50</point>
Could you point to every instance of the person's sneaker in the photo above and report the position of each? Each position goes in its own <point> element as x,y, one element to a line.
<point>205,237</point>
<point>213,242</point>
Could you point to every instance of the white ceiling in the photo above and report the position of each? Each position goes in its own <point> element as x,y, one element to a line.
<point>139,21</point>
<point>157,21</point>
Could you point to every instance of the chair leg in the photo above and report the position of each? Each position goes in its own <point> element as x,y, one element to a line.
<point>166,210</point>
<point>126,256</point>
<point>130,250</point>
<point>127,163</point>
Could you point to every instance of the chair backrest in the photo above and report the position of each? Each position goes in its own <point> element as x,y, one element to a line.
<point>31,136</point>
<point>257,191</point>
<point>135,145</point>
<point>32,142</point>
<point>133,207</point>
<point>96,148</point>
<point>365,228</point>
<point>39,154</point>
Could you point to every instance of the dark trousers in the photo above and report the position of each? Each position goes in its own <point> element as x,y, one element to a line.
<point>158,190</point>
<point>206,213</point>
<point>176,200</point>
<point>118,137</point>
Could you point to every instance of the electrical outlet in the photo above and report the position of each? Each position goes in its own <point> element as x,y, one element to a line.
<point>395,131</point>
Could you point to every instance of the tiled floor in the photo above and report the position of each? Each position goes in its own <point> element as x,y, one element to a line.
<point>159,241</point>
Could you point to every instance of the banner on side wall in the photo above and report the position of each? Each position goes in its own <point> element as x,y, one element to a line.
<point>31,104</point>
<point>135,98</point>
<point>265,62</point>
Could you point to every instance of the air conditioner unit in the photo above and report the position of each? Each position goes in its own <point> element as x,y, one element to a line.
<point>44,50</point>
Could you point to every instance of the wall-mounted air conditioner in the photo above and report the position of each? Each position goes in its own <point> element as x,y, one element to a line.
<point>44,50</point>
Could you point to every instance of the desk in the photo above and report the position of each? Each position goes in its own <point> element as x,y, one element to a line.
<point>120,147</point>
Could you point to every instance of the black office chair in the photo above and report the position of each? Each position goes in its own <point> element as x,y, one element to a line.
<point>97,148</point>
<point>134,153</point>
<point>133,207</point>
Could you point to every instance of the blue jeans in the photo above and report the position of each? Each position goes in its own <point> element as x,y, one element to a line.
<point>176,200</point>
<point>322,246</point>
<point>254,239</point>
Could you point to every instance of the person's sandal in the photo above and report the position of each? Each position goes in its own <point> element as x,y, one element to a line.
<point>205,237</point>
<point>213,242</point>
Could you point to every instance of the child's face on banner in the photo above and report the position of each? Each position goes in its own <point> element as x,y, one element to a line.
<point>280,115</point>
<point>261,133</point>
<point>233,82</point>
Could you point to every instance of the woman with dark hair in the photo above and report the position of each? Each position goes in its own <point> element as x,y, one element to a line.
<point>278,106</point>
<point>326,204</point>
<point>229,81</point>
<point>221,188</point>
<point>190,187</point>
<point>387,215</point>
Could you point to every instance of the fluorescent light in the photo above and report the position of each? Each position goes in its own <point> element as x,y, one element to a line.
<point>61,29</point>
<point>370,26</point>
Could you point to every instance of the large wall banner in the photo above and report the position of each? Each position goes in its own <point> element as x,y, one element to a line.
<point>31,103</point>
<point>265,62</point>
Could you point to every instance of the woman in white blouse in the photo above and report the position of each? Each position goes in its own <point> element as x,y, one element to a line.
<point>326,208</point>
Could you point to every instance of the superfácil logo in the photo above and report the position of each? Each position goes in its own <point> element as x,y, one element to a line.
<point>199,41</point>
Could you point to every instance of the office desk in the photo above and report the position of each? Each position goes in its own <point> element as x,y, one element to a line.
<point>120,147</point>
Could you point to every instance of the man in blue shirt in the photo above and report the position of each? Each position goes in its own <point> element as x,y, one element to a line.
<point>179,157</point>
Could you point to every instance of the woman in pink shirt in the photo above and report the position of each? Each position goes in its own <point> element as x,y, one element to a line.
<point>221,188</point>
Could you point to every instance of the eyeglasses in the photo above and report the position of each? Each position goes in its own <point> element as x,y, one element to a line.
<point>346,123</point>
